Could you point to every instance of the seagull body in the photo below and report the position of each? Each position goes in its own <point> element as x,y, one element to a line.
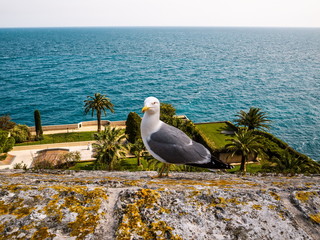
<point>169,144</point>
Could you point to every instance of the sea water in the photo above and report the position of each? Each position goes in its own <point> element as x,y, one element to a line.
<point>208,74</point>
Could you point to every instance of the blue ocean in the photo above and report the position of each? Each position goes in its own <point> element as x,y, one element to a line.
<point>208,74</point>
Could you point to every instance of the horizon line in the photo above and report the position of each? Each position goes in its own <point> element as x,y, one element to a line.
<point>156,26</point>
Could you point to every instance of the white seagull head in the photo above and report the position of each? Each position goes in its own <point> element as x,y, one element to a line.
<point>151,106</point>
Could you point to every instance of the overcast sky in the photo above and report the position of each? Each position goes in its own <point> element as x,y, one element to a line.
<point>70,13</point>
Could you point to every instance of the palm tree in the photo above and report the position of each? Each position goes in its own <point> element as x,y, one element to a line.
<point>137,148</point>
<point>254,119</point>
<point>110,147</point>
<point>246,144</point>
<point>98,103</point>
<point>288,163</point>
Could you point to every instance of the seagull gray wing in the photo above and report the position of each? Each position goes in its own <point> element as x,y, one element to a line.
<point>174,146</point>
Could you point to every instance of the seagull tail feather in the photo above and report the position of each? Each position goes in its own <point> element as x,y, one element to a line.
<point>213,164</point>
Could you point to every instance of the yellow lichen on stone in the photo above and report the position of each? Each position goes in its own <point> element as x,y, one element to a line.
<point>304,196</point>
<point>272,207</point>
<point>134,224</point>
<point>279,184</point>
<point>52,208</point>
<point>282,215</point>
<point>275,196</point>
<point>220,183</point>
<point>23,211</point>
<point>315,217</point>
<point>16,187</point>
<point>83,202</point>
<point>194,193</point>
<point>257,206</point>
<point>309,184</point>
<point>224,202</point>
<point>16,208</point>
<point>164,210</point>
<point>42,233</point>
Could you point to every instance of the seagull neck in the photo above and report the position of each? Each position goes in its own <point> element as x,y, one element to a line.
<point>151,123</point>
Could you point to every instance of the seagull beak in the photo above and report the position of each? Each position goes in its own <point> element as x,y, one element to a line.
<point>145,108</point>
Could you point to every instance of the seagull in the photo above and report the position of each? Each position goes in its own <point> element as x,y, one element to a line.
<point>169,144</point>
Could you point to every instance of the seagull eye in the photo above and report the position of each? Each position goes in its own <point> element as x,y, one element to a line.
<point>154,103</point>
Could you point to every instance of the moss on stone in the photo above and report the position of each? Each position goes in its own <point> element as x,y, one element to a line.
<point>304,196</point>
<point>133,223</point>
<point>315,217</point>
<point>257,206</point>
<point>275,196</point>
<point>42,233</point>
<point>84,202</point>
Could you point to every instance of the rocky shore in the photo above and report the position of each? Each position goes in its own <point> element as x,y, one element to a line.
<point>133,205</point>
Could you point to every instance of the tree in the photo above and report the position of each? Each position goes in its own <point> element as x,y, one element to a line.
<point>6,142</point>
<point>167,112</point>
<point>289,163</point>
<point>246,144</point>
<point>254,119</point>
<point>137,149</point>
<point>37,121</point>
<point>6,123</point>
<point>99,103</point>
<point>109,147</point>
<point>133,127</point>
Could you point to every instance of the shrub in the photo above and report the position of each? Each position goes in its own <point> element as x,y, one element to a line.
<point>20,165</point>
<point>20,133</point>
<point>5,123</point>
<point>167,112</point>
<point>6,142</point>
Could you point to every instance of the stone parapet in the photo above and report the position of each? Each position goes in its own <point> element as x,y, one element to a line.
<point>133,205</point>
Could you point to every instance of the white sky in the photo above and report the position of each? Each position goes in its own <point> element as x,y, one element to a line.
<point>61,13</point>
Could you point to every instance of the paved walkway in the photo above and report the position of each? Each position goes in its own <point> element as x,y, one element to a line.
<point>25,154</point>
<point>92,128</point>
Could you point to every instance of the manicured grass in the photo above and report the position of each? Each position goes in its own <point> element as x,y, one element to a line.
<point>127,164</point>
<point>130,164</point>
<point>251,168</point>
<point>62,137</point>
<point>213,133</point>
<point>83,166</point>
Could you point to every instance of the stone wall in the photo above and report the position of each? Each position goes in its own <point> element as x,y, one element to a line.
<point>133,205</point>
<point>77,126</point>
<point>56,127</point>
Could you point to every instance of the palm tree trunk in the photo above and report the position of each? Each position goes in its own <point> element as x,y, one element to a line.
<point>243,164</point>
<point>138,160</point>
<point>99,120</point>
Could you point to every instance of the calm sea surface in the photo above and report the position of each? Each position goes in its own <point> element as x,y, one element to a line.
<point>208,74</point>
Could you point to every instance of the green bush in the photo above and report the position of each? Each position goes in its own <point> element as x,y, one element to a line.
<point>20,133</point>
<point>6,142</point>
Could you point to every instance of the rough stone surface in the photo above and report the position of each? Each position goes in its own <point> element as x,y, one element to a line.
<point>133,205</point>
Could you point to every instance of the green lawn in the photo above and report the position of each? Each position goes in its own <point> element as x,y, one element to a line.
<point>127,164</point>
<point>251,168</point>
<point>130,164</point>
<point>62,137</point>
<point>213,133</point>
<point>83,166</point>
